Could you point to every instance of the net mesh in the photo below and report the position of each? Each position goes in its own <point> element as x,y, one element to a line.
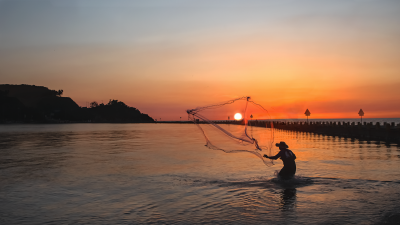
<point>238,125</point>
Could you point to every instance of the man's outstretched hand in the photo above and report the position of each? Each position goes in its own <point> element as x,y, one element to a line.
<point>265,156</point>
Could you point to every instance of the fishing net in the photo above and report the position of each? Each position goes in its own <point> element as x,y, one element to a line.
<point>238,125</point>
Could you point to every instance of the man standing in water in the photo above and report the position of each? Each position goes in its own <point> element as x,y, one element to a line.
<point>288,157</point>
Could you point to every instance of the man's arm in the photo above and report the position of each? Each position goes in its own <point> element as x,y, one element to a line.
<point>274,157</point>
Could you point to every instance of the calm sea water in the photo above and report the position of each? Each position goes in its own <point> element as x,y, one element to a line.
<point>162,173</point>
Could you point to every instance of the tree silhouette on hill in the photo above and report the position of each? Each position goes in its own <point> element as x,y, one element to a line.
<point>117,111</point>
<point>30,103</point>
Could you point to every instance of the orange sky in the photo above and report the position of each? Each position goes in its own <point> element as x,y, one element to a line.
<point>330,57</point>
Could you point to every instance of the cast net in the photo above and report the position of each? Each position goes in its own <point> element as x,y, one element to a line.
<point>238,125</point>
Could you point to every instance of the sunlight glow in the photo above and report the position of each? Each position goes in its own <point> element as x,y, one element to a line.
<point>238,116</point>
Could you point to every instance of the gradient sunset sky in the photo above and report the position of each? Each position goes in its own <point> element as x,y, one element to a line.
<point>166,56</point>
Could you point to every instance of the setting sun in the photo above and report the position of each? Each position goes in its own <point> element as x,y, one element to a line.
<point>238,116</point>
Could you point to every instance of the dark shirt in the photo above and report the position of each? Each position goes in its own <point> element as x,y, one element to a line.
<point>285,155</point>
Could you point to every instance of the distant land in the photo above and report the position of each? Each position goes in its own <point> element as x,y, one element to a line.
<point>37,104</point>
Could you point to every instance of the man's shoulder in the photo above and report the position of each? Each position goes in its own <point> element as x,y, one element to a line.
<point>290,151</point>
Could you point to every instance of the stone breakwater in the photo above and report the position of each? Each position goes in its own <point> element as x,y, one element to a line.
<point>388,132</point>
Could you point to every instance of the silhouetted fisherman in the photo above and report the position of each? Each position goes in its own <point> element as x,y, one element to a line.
<point>288,157</point>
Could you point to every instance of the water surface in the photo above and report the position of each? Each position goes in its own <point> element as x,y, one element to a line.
<point>162,173</point>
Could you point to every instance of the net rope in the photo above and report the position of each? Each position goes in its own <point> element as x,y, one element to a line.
<point>232,136</point>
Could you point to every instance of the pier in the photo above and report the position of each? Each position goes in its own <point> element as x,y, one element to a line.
<point>387,132</point>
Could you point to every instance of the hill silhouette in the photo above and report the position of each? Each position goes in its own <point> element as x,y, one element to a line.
<point>30,103</point>
<point>116,111</point>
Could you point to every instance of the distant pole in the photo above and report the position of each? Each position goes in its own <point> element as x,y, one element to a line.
<point>307,113</point>
<point>361,113</point>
